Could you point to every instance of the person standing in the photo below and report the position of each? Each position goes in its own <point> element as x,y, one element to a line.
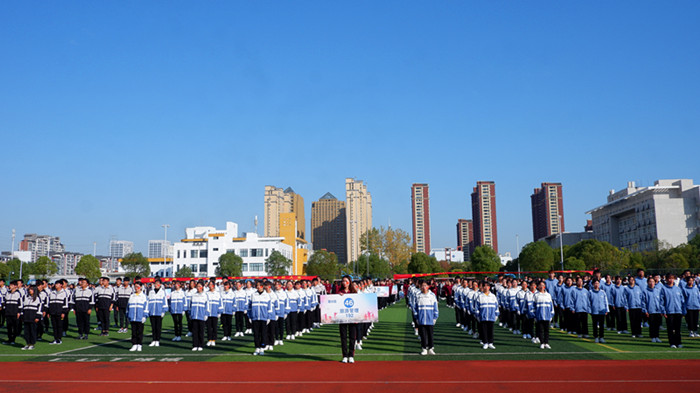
<point>13,310</point>
<point>58,310</point>
<point>281,311</point>
<point>272,318</point>
<point>213,313</point>
<point>3,292</point>
<point>607,286</point>
<point>199,308</point>
<point>292,310</point>
<point>188,293</point>
<point>673,306</point>
<point>157,306</point>
<point>487,311</point>
<point>241,305</point>
<point>651,307</point>
<point>620,306</point>
<point>105,297</point>
<point>31,315</point>
<point>123,294</point>
<point>42,326</point>
<point>178,305</point>
<point>426,312</point>
<point>598,299</point>
<point>228,304</point>
<point>137,313</point>
<point>83,301</point>
<point>633,294</point>
<point>347,330</point>
<point>692,305</point>
<point>544,312</point>
<point>527,309</point>
<point>259,311</point>
<point>581,307</point>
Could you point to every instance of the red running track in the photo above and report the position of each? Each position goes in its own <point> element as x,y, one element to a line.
<point>521,376</point>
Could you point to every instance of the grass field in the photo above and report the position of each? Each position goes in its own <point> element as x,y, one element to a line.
<point>391,339</point>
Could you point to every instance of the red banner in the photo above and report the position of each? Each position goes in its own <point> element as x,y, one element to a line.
<point>416,275</point>
<point>147,280</point>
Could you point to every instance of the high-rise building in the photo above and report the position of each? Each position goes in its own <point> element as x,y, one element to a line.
<point>328,226</point>
<point>120,248</point>
<point>41,245</point>
<point>465,236</point>
<point>421,218</point>
<point>300,253</point>
<point>547,211</point>
<point>160,249</point>
<point>358,202</point>
<point>278,201</point>
<point>484,215</point>
<point>637,218</point>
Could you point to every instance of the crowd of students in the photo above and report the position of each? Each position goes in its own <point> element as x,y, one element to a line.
<point>271,311</point>
<point>530,307</point>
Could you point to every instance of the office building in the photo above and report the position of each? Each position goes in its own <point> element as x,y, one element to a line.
<point>278,201</point>
<point>328,226</point>
<point>160,249</point>
<point>358,203</point>
<point>465,236</point>
<point>120,248</point>
<point>547,211</point>
<point>420,201</point>
<point>484,215</point>
<point>639,218</point>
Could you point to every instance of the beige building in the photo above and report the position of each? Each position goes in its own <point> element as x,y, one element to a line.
<point>278,201</point>
<point>358,213</point>
<point>328,226</point>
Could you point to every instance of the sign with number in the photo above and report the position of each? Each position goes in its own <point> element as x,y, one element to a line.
<point>350,308</point>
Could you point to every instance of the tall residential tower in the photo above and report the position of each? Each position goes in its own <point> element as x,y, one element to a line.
<point>421,218</point>
<point>547,211</point>
<point>484,215</point>
<point>358,214</point>
<point>465,236</point>
<point>328,226</point>
<point>278,201</point>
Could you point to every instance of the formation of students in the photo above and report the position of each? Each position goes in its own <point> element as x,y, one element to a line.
<point>271,311</point>
<point>530,307</point>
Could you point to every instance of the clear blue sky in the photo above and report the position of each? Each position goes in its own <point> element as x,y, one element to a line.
<point>117,117</point>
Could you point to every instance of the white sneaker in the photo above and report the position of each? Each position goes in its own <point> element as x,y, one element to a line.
<point>673,346</point>
<point>175,338</point>
<point>200,349</point>
<point>596,340</point>
<point>269,348</point>
<point>213,344</point>
<point>194,349</point>
<point>459,325</point>
<point>351,360</point>
<point>486,346</point>
<point>133,348</point>
<point>189,334</point>
<point>601,340</point>
<point>424,352</point>
<point>475,335</point>
<point>281,342</point>
<point>345,360</point>
<point>491,346</point>
<point>262,351</point>
<point>431,351</point>
<point>547,346</point>
<point>542,346</point>
<point>524,336</point>
<point>358,346</point>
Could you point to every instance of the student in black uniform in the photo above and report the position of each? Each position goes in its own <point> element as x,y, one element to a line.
<point>104,303</point>
<point>58,310</point>
<point>32,313</point>
<point>83,301</point>
<point>13,308</point>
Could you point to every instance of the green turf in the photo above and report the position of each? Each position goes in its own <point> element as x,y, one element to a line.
<point>391,339</point>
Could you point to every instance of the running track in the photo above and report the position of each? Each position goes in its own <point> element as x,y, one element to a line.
<point>377,377</point>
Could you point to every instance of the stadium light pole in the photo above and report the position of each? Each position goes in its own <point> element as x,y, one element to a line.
<point>561,245</point>
<point>164,249</point>
<point>517,250</point>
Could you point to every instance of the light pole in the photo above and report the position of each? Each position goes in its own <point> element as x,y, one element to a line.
<point>517,250</point>
<point>94,249</point>
<point>561,244</point>
<point>164,249</point>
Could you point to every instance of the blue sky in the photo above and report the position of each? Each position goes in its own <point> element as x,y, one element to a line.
<point>118,117</point>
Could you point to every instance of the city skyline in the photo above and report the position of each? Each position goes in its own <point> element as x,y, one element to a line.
<point>184,118</point>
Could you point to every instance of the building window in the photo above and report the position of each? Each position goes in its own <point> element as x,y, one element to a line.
<point>203,268</point>
<point>245,267</point>
<point>193,268</point>
<point>215,249</point>
<point>231,251</point>
<point>193,253</point>
<point>178,253</point>
<point>243,252</point>
<point>203,253</point>
<point>256,267</point>
<point>256,252</point>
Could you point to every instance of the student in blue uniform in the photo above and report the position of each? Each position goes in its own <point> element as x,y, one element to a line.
<point>292,311</point>
<point>487,311</point>
<point>651,307</point>
<point>259,311</point>
<point>137,313</point>
<point>213,314</point>
<point>178,305</point>
<point>228,308</point>
<point>618,291</point>
<point>673,306</point>
<point>581,307</point>
<point>425,309</point>
<point>544,312</point>
<point>241,300</point>
<point>692,305</point>
<point>157,307</point>
<point>633,295</point>
<point>599,307</point>
<point>199,305</point>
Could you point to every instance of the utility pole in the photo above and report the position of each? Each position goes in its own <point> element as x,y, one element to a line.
<point>517,250</point>
<point>94,248</point>
<point>164,248</point>
<point>561,244</point>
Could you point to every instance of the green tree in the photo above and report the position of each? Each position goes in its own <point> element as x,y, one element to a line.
<point>44,267</point>
<point>184,272</point>
<point>277,264</point>
<point>323,264</point>
<point>536,256</point>
<point>423,263</point>
<point>4,271</point>
<point>135,264</point>
<point>230,265</point>
<point>573,263</point>
<point>378,267</point>
<point>597,254</point>
<point>13,268</point>
<point>88,267</point>
<point>485,259</point>
<point>394,245</point>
